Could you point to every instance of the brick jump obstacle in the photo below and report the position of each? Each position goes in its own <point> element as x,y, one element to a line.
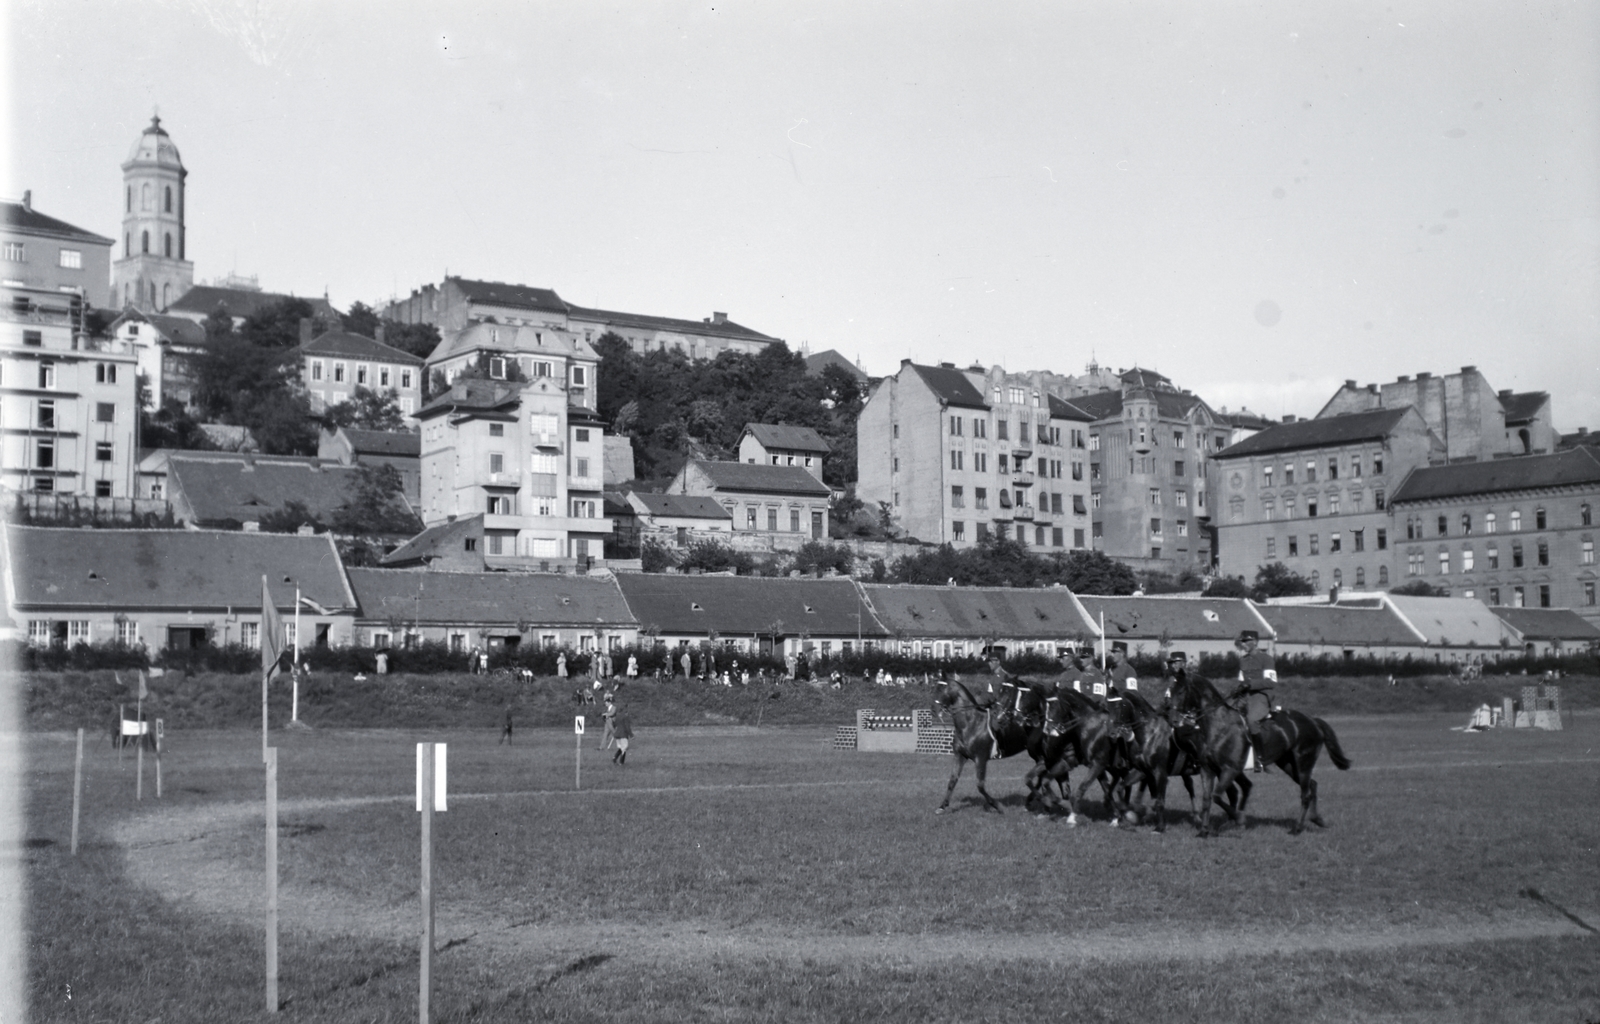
<point>915,733</point>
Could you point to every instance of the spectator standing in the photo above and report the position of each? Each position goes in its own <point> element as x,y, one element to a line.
<point>505,729</point>
<point>561,664</point>
<point>633,666</point>
<point>609,716</point>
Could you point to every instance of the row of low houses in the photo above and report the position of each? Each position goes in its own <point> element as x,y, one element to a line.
<point>190,588</point>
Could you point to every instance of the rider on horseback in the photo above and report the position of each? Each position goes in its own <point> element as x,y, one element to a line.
<point>1258,674</point>
<point>1120,677</point>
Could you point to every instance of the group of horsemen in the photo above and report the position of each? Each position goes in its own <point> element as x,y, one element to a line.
<point>1115,688</point>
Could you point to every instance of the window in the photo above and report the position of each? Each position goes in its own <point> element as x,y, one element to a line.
<point>1444,563</point>
<point>1267,508</point>
<point>1361,576</point>
<point>1077,471</point>
<point>1288,506</point>
<point>1544,595</point>
<point>497,462</point>
<point>1383,539</point>
<point>794,520</point>
<point>497,430</point>
<point>1466,559</point>
<point>496,544</point>
<point>128,632</point>
<point>1055,502</point>
<point>1355,471</point>
<point>103,451</point>
<point>47,414</point>
<point>582,468</point>
<point>1338,577</point>
<point>47,375</point>
<point>12,252</point>
<point>1334,543</point>
<point>1379,499</point>
<point>144,244</point>
<point>958,530</point>
<point>1333,504</point>
<point>1516,554</point>
<point>1492,556</point>
<point>1333,469</point>
<point>1311,508</point>
<point>1182,499</point>
<point>1587,557</point>
<point>1588,593</point>
<point>405,378</point>
<point>1383,575</point>
<point>1519,597</point>
<point>1311,544</point>
<point>499,505</point>
<point>497,368</point>
<point>955,497</point>
<point>1413,563</point>
<point>1516,521</point>
<point>1311,472</point>
<point>1177,468</point>
<point>772,520</point>
<point>1094,444</point>
<point>33,339</point>
<point>1183,527</point>
<point>102,488</point>
<point>1544,552</point>
<point>1538,519</point>
<point>955,459</point>
<point>980,427</point>
<point>338,373</point>
<point>1316,580</point>
<point>1377,465</point>
<point>1444,526</point>
<point>1489,523</point>
<point>1494,595</point>
<point>45,455</point>
<point>1584,516</point>
<point>1294,546</point>
<point>955,426</point>
<point>1077,505</point>
<point>1288,474</point>
<point>1155,497</point>
<point>1466,523</point>
<point>1359,539</point>
<point>1266,477</point>
<point>72,259</point>
<point>750,518</point>
<point>316,369</point>
<point>1155,527</point>
<point>980,497</point>
<point>583,508</point>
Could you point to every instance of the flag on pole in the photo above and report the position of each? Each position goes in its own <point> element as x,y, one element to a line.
<point>272,639</point>
<point>144,685</point>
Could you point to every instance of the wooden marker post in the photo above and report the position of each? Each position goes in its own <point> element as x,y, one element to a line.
<point>577,756</point>
<point>431,787</point>
<point>272,879</point>
<point>122,731</point>
<point>160,734</point>
<point>138,785</point>
<point>77,790</point>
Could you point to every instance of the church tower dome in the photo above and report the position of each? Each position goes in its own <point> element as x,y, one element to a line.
<point>153,271</point>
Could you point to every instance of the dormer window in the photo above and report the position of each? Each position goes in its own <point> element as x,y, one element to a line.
<point>497,368</point>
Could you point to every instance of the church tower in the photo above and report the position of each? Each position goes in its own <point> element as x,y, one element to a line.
<point>152,272</point>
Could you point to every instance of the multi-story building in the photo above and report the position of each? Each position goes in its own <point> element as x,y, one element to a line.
<point>68,404</point>
<point>459,303</point>
<point>1314,495</point>
<point>785,502</point>
<point>1474,421</point>
<point>153,271</point>
<point>165,345</point>
<point>39,251</point>
<point>956,455</point>
<point>778,444</point>
<point>1518,532</point>
<point>515,436</point>
<point>1149,471</point>
<point>334,364</point>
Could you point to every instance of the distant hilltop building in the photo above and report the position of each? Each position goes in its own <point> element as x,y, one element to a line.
<point>460,303</point>
<point>39,251</point>
<point>153,271</point>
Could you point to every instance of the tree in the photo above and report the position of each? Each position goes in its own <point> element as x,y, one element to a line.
<point>1419,588</point>
<point>418,339</point>
<point>375,505</point>
<point>361,319</point>
<point>710,555</point>
<point>1095,572</point>
<point>277,324</point>
<point>1278,580</point>
<point>368,410</point>
<point>1227,586</point>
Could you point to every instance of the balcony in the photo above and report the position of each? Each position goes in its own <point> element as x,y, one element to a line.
<point>547,441</point>
<point>1022,448</point>
<point>1021,479</point>
<point>584,483</point>
<point>1023,513</point>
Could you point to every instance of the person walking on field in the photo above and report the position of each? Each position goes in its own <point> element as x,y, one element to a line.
<point>609,716</point>
<point>505,730</point>
<point>622,730</point>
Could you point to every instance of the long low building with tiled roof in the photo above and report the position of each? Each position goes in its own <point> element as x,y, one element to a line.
<point>956,622</point>
<point>826,616</point>
<point>785,501</point>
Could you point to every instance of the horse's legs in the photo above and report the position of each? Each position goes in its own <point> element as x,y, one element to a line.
<point>981,765</point>
<point>1208,791</point>
<point>955,776</point>
<point>1158,796</point>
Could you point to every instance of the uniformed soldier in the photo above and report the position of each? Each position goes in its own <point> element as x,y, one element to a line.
<point>1258,674</point>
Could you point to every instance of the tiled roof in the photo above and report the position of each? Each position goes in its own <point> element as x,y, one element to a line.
<point>819,361</point>
<point>19,218</point>
<point>681,506</point>
<point>950,386</point>
<point>1337,626</point>
<point>512,338</point>
<point>177,329</point>
<point>741,476</point>
<point>203,299</point>
<point>1523,406</point>
<point>172,568</point>
<point>782,435</point>
<point>357,346</point>
<point>1142,378</point>
<point>519,296</point>
<point>1319,433</point>
<point>437,539</point>
<point>244,490</point>
<point>474,395</point>
<point>706,328</point>
<point>1451,621</point>
<point>744,606</point>
<point>1146,619</point>
<point>469,598</point>
<point>1549,624</point>
<point>1104,405</point>
<point>1576,466</point>
<point>979,612</point>
<point>1064,409</point>
<point>384,442</point>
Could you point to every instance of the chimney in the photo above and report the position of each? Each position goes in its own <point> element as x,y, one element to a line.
<point>1350,384</point>
<point>305,330</point>
<point>1402,379</point>
<point>1583,431</point>
<point>378,334</point>
<point>905,362</point>
<point>27,200</point>
<point>947,366</point>
<point>1424,375</point>
<point>1372,389</point>
<point>1469,369</point>
<point>1288,417</point>
<point>1505,393</point>
<point>718,318</point>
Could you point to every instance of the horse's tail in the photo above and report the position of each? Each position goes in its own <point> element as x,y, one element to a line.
<point>1331,741</point>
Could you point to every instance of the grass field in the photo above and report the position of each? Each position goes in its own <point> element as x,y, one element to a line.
<point>742,874</point>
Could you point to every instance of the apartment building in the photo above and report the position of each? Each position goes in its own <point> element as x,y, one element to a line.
<point>336,363</point>
<point>779,444</point>
<point>458,303</point>
<point>1517,532</point>
<point>958,455</point>
<point>39,251</point>
<point>1314,495</point>
<point>1152,489</point>
<point>1471,418</point>
<point>68,404</point>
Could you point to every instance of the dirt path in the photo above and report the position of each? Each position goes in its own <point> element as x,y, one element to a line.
<point>184,855</point>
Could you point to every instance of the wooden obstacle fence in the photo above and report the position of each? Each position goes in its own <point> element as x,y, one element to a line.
<point>914,733</point>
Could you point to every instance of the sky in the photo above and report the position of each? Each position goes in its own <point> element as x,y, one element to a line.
<point>1258,200</point>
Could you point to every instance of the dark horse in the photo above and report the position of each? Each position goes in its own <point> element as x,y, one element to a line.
<point>1077,732</point>
<point>1146,759</point>
<point>1289,739</point>
<point>997,727</point>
